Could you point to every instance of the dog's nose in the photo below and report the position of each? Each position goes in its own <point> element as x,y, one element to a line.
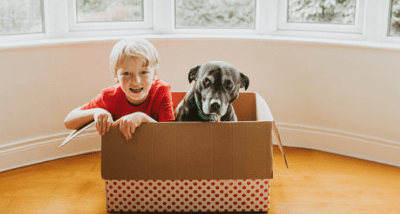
<point>215,106</point>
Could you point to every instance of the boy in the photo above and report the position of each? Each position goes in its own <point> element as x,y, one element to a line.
<point>138,97</point>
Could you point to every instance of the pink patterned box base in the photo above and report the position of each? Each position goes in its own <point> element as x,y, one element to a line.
<point>187,195</point>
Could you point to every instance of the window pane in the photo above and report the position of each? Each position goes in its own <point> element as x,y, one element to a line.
<point>322,11</point>
<point>215,13</point>
<point>109,10</point>
<point>21,17</point>
<point>395,19</point>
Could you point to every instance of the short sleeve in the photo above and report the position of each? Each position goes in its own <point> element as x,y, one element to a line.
<point>97,102</point>
<point>166,112</point>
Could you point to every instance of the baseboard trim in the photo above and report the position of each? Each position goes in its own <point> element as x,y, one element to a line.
<point>46,148</point>
<point>340,142</point>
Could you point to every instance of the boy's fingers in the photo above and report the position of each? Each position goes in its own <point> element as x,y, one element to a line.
<point>100,124</point>
<point>122,128</point>
<point>98,127</point>
<point>125,127</point>
<point>127,130</point>
<point>133,128</point>
<point>104,128</point>
<point>116,123</point>
<point>128,134</point>
<point>109,123</point>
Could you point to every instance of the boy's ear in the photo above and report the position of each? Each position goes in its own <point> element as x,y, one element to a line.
<point>155,75</point>
<point>193,73</point>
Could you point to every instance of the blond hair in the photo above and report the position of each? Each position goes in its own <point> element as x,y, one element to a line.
<point>134,48</point>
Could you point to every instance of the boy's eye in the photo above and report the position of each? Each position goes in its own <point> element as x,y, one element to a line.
<point>125,73</point>
<point>144,72</point>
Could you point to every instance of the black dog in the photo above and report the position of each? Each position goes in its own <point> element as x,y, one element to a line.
<point>210,98</point>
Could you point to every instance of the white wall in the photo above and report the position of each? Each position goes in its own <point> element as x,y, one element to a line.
<point>339,98</point>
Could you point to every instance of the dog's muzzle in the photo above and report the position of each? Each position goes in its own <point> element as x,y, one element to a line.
<point>213,117</point>
<point>215,106</point>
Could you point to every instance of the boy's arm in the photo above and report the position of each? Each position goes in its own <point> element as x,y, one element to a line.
<point>77,118</point>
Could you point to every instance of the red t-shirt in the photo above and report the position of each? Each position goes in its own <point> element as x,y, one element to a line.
<point>158,104</point>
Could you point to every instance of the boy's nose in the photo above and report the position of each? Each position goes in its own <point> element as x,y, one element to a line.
<point>136,79</point>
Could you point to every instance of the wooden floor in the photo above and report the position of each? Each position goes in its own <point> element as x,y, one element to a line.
<point>316,182</point>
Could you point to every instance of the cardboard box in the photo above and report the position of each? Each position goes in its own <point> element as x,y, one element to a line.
<point>193,166</point>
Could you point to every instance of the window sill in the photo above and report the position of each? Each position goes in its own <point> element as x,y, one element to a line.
<point>354,40</point>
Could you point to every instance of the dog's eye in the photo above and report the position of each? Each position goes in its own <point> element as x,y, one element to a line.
<point>229,85</point>
<point>206,82</point>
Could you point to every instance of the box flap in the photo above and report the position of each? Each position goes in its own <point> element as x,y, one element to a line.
<point>264,114</point>
<point>186,150</point>
<point>245,106</point>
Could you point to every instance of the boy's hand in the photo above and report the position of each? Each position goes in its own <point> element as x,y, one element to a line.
<point>129,123</point>
<point>103,121</point>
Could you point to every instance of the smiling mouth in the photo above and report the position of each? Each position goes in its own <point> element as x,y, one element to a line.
<point>136,90</point>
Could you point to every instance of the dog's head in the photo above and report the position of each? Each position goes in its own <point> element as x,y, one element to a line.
<point>217,85</point>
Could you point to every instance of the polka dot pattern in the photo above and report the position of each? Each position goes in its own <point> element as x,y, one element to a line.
<point>187,195</point>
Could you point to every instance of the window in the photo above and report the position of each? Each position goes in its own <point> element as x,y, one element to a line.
<point>87,15</point>
<point>394,26</point>
<point>223,14</point>
<point>345,16</point>
<point>106,10</point>
<point>322,11</point>
<point>21,17</point>
<point>351,20</point>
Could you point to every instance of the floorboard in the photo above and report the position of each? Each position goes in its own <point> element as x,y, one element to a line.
<point>316,182</point>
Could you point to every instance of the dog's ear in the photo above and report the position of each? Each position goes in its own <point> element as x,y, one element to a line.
<point>193,73</point>
<point>244,81</point>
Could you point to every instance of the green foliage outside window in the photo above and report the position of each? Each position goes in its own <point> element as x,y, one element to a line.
<point>395,19</point>
<point>322,11</point>
<point>215,13</point>
<point>22,16</point>
<point>109,10</point>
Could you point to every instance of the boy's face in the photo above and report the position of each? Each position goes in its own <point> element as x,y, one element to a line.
<point>135,79</point>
